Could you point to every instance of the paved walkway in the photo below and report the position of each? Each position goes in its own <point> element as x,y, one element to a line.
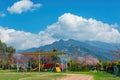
<point>77,77</point>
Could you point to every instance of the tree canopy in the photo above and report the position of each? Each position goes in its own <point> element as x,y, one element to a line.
<point>6,49</point>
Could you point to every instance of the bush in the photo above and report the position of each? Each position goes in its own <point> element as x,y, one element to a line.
<point>73,66</point>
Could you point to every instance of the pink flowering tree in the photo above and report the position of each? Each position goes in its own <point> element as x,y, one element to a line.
<point>29,58</point>
<point>88,60</point>
<point>23,59</point>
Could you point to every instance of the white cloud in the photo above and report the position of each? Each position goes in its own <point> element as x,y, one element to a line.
<point>24,40</point>
<point>68,26</point>
<point>2,14</point>
<point>23,6</point>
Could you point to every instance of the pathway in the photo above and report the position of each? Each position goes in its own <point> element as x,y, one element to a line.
<point>77,77</point>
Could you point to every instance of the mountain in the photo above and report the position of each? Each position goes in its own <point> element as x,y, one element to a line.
<point>101,50</point>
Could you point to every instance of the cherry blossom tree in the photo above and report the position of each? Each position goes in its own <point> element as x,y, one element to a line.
<point>88,60</point>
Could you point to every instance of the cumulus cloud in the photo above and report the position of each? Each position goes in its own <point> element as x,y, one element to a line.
<point>23,6</point>
<point>71,26</point>
<point>68,26</point>
<point>24,40</point>
<point>2,14</point>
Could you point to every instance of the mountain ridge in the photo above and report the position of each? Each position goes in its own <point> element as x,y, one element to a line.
<point>100,50</point>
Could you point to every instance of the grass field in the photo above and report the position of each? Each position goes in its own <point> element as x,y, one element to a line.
<point>8,75</point>
<point>99,75</point>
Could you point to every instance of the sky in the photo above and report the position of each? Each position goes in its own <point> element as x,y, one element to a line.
<point>33,23</point>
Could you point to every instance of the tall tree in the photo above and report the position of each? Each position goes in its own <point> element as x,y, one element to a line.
<point>3,47</point>
<point>11,49</point>
<point>5,54</point>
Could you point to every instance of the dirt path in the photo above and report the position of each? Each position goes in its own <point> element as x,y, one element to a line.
<point>77,77</point>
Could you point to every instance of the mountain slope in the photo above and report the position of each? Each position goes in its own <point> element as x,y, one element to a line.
<point>100,50</point>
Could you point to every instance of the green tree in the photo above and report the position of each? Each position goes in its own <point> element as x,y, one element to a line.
<point>3,47</point>
<point>107,64</point>
<point>5,54</point>
<point>11,50</point>
<point>54,50</point>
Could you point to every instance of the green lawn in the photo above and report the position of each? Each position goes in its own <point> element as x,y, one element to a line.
<point>104,76</point>
<point>7,75</point>
<point>99,75</point>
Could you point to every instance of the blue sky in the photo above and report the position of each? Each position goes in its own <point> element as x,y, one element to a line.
<point>104,10</point>
<point>40,17</point>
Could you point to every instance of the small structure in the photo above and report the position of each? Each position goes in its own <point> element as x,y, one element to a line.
<point>57,60</point>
